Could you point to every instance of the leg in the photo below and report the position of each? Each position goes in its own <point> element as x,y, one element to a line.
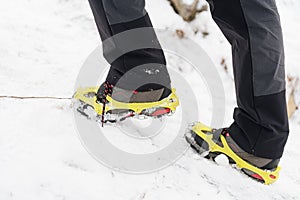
<point>116,16</point>
<point>254,31</point>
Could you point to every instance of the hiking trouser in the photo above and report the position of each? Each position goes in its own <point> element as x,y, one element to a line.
<point>254,31</point>
<point>116,16</point>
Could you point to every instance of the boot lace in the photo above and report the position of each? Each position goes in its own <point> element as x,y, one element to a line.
<point>102,98</point>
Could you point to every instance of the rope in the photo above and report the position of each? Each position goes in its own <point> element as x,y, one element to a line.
<point>34,97</point>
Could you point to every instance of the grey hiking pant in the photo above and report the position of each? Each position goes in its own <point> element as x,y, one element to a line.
<point>254,31</point>
<point>116,16</point>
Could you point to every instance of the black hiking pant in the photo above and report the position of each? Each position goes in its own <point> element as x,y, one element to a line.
<point>254,31</point>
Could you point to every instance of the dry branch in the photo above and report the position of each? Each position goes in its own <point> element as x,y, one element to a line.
<point>292,105</point>
<point>187,12</point>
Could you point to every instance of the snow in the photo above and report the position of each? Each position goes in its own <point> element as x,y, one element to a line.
<point>42,47</point>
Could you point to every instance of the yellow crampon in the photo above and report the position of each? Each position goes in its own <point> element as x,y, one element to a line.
<point>88,96</point>
<point>201,130</point>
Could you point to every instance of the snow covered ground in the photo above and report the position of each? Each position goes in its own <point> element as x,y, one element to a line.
<point>42,47</point>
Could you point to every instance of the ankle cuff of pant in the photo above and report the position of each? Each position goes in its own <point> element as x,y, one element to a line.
<point>239,137</point>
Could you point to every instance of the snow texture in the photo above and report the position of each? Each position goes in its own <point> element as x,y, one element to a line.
<point>42,47</point>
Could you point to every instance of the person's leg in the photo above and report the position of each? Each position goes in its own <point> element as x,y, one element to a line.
<point>254,31</point>
<point>116,16</point>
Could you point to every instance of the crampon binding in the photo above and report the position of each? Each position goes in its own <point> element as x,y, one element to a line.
<point>211,148</point>
<point>113,111</point>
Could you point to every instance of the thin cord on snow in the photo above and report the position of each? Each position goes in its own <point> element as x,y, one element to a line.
<point>35,97</point>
